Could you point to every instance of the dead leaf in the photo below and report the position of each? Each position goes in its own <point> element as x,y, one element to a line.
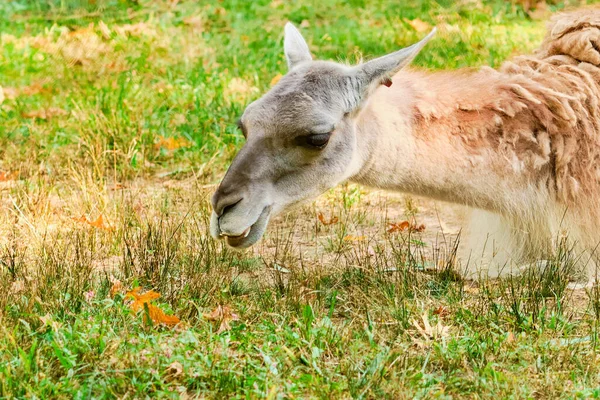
<point>17,287</point>
<point>48,321</point>
<point>429,331</point>
<point>195,21</point>
<point>142,302</point>
<point>352,238</point>
<point>276,79</point>
<point>173,370</point>
<point>405,225</point>
<point>140,299</point>
<point>138,29</point>
<point>171,143</point>
<point>419,25</point>
<point>45,113</point>
<point>540,11</point>
<point>223,315</point>
<point>7,176</point>
<point>510,337</point>
<point>105,30</point>
<point>157,315</point>
<point>441,311</point>
<point>324,221</point>
<point>398,227</point>
<point>116,287</point>
<point>98,223</point>
<point>238,90</point>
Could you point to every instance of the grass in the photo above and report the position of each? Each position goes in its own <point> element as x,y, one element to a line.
<point>125,109</point>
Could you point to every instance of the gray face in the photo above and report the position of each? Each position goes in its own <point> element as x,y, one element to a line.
<point>300,139</point>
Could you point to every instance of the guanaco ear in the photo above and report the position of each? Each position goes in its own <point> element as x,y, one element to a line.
<point>380,70</point>
<point>295,47</point>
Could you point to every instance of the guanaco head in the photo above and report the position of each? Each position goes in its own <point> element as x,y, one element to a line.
<point>300,138</point>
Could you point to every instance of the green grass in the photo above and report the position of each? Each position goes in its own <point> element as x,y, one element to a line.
<point>332,311</point>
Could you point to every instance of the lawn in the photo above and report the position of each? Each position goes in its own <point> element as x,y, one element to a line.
<point>117,123</point>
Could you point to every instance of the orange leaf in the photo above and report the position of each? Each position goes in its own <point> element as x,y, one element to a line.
<point>98,223</point>
<point>276,79</point>
<point>419,25</point>
<point>223,315</point>
<point>7,176</point>
<point>157,315</point>
<point>352,238</point>
<point>142,301</point>
<point>116,287</point>
<point>171,143</point>
<point>45,113</point>
<point>441,311</point>
<point>419,228</point>
<point>405,225</point>
<point>398,227</point>
<point>333,220</point>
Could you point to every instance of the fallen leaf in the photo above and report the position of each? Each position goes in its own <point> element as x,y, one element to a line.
<point>419,25</point>
<point>510,337</point>
<point>7,176</point>
<point>10,93</point>
<point>48,321</point>
<point>140,299</point>
<point>398,227</point>
<point>352,238</point>
<point>276,79</point>
<point>138,29</point>
<point>540,11</point>
<point>429,331</point>
<point>331,221</point>
<point>105,30</point>
<point>405,225</point>
<point>45,113</point>
<point>441,311</point>
<point>142,302</point>
<point>238,90</point>
<point>98,223</point>
<point>171,143</point>
<point>223,315</point>
<point>157,315</point>
<point>17,287</point>
<point>174,370</point>
<point>195,21</point>
<point>116,287</point>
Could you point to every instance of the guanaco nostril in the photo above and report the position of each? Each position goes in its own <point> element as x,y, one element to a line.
<point>228,207</point>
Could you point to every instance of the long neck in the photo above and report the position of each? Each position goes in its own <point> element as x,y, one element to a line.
<point>435,136</point>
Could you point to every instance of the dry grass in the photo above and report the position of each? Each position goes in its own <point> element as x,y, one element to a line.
<point>127,113</point>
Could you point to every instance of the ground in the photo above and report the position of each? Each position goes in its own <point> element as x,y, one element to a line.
<point>118,120</point>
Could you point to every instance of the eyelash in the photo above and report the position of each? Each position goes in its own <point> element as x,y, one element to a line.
<point>241,128</point>
<point>317,141</point>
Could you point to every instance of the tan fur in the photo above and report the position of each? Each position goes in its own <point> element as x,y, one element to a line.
<point>521,143</point>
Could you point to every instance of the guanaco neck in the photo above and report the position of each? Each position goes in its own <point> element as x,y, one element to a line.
<point>432,135</point>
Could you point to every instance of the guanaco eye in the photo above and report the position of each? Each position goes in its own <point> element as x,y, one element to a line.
<point>316,141</point>
<point>242,127</point>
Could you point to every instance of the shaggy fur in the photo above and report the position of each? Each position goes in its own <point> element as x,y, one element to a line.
<point>519,145</point>
<point>538,117</point>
